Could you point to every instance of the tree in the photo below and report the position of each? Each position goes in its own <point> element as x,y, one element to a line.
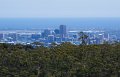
<point>38,44</point>
<point>53,44</point>
<point>64,60</point>
<point>83,38</point>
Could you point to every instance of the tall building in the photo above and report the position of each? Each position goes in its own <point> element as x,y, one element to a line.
<point>63,31</point>
<point>101,38</point>
<point>35,36</point>
<point>46,33</point>
<point>50,38</point>
<point>1,36</point>
<point>57,31</point>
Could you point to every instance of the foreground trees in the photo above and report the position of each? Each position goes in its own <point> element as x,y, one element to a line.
<point>65,60</point>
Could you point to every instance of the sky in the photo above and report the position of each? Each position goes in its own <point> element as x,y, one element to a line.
<point>59,8</point>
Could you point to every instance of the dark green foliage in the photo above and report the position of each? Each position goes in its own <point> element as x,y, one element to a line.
<point>65,60</point>
<point>83,38</point>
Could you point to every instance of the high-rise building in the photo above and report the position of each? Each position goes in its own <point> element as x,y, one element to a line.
<point>63,31</point>
<point>35,36</point>
<point>46,33</point>
<point>1,36</point>
<point>57,31</point>
<point>101,37</point>
<point>50,38</point>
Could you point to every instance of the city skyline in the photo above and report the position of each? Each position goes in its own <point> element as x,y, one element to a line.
<point>58,35</point>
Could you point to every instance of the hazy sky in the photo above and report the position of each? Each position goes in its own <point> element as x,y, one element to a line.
<point>59,8</point>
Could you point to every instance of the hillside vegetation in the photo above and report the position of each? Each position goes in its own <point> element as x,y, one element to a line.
<point>65,60</point>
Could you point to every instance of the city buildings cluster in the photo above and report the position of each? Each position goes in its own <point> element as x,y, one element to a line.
<point>47,36</point>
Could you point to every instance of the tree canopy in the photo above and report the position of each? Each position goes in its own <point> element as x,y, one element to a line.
<point>64,60</point>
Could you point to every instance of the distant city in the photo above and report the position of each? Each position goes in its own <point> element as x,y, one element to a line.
<point>58,36</point>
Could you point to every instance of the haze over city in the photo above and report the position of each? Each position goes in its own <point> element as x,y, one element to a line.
<point>27,21</point>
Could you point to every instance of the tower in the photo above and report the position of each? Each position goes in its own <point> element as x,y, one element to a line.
<point>63,32</point>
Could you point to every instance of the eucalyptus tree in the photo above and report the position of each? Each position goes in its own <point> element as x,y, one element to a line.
<point>83,38</point>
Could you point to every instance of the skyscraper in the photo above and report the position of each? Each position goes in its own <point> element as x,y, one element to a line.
<point>63,32</point>
<point>46,32</point>
<point>1,36</point>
